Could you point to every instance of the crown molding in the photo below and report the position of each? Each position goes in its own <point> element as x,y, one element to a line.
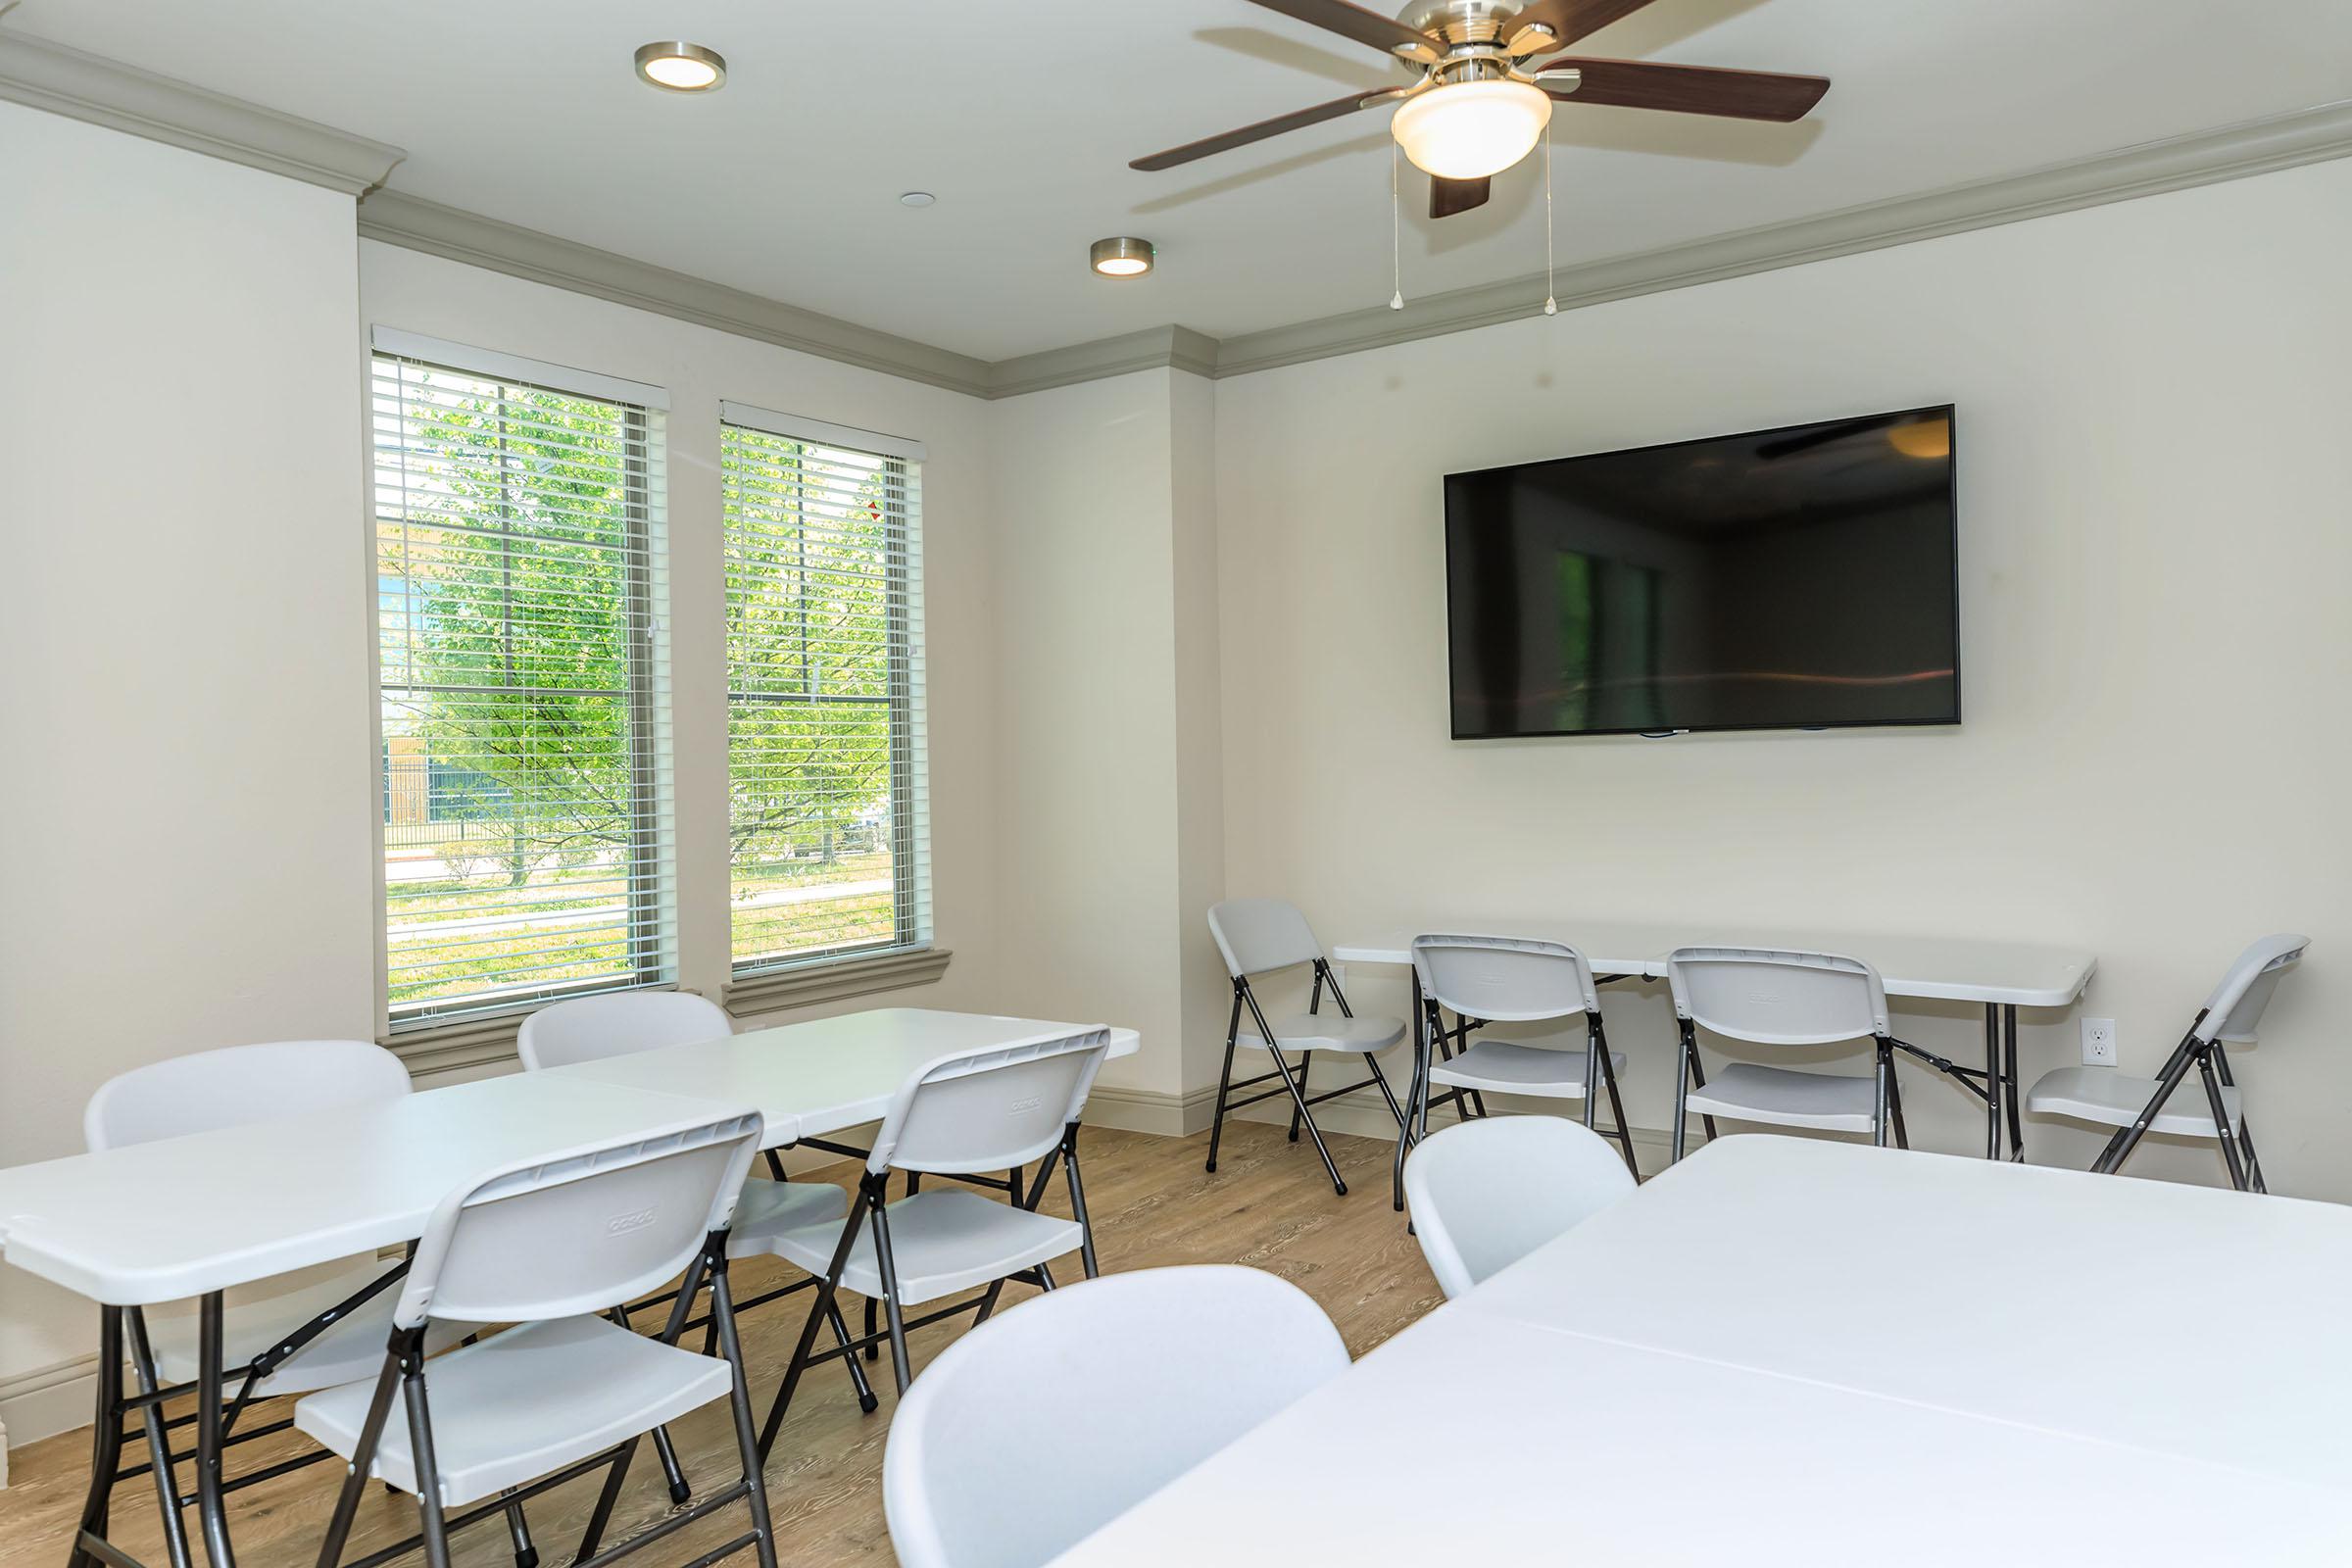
<point>417,224</point>
<point>1156,348</point>
<point>2255,147</point>
<point>67,81</point>
<point>41,74</point>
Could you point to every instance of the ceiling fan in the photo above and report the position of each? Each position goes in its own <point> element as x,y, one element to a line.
<point>1480,105</point>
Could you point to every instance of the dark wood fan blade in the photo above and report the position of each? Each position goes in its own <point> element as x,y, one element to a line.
<point>1355,22</point>
<point>1448,197</point>
<point>1263,129</point>
<point>1689,89</point>
<point>1564,21</point>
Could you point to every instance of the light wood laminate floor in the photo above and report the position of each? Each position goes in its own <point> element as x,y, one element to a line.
<point>1268,1207</point>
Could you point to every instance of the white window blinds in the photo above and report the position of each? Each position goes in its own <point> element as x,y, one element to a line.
<point>828,804</point>
<point>521,589</point>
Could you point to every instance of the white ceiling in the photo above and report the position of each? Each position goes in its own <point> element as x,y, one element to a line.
<point>786,182</point>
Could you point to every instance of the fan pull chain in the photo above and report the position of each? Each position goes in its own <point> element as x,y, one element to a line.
<point>1396,235</point>
<point>1551,305</point>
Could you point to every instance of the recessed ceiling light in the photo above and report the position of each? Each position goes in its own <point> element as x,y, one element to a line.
<point>917,198</point>
<point>678,66</point>
<point>1122,256</point>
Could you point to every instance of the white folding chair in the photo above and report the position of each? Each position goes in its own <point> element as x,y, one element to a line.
<point>617,1023</point>
<point>620,1023</point>
<point>280,1337</point>
<point>1489,980</point>
<point>1257,937</point>
<point>2135,1107</point>
<point>1487,1192</point>
<point>549,1244</point>
<point>1766,997</point>
<point>960,1115</point>
<point>1029,1433</point>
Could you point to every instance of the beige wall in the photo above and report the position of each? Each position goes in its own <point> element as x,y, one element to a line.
<point>184,837</point>
<point>2153,477</point>
<point>1110,826</point>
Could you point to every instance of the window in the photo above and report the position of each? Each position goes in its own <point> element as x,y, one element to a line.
<point>827,808</point>
<point>521,619</point>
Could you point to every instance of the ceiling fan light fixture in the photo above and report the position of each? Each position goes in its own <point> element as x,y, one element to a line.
<point>675,66</point>
<point>1123,256</point>
<point>1471,129</point>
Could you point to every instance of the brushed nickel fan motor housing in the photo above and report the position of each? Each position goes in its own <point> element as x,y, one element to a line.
<point>1461,22</point>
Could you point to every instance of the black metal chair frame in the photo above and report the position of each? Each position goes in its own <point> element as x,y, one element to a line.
<point>405,1373</point>
<point>871,1203</point>
<point>2210,1058</point>
<point>1889,1087</point>
<point>1600,1073</point>
<point>1295,1088</point>
<point>122,1338</point>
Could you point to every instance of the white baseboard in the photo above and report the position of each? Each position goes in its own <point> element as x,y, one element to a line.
<point>46,1401</point>
<point>1365,1114</point>
<point>1150,1110</point>
<point>1362,1115</point>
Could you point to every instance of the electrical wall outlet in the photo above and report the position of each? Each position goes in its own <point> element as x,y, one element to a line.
<point>2098,1042</point>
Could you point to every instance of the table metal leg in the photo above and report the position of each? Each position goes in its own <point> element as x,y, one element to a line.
<point>1992,1081</point>
<point>1416,1091</point>
<point>106,1439</point>
<point>159,1439</point>
<point>2009,1091</point>
<point>210,1507</point>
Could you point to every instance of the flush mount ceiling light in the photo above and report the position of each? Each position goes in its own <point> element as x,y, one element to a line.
<point>1122,256</point>
<point>916,198</point>
<point>675,65</point>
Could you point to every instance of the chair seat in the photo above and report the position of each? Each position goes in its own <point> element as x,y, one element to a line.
<point>2113,1098</point>
<point>943,1240</point>
<point>513,1407</point>
<point>1509,1069</point>
<point>1784,1096</point>
<point>352,1347</point>
<point>1329,1031</point>
<point>767,1210</point>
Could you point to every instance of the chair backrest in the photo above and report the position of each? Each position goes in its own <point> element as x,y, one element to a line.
<point>1485,1194</point>
<point>1772,997</point>
<point>989,1108</point>
<point>236,1084</point>
<point>2234,1007</point>
<point>1048,1421</point>
<point>1256,935</point>
<point>579,1230</point>
<point>1504,979</point>
<point>615,1024</point>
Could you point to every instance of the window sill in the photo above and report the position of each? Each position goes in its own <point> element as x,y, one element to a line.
<point>807,985</point>
<point>456,1047</point>
<point>487,1041</point>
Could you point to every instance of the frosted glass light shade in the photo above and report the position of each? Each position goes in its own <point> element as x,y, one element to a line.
<point>1471,129</point>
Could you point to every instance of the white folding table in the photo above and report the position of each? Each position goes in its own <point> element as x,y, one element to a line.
<point>1788,1351</point>
<point>198,1215</point>
<point>1998,976</point>
<point>821,1077</point>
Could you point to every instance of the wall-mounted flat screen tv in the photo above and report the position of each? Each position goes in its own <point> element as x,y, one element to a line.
<point>1798,579</point>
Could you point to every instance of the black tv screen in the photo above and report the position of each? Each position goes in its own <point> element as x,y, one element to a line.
<point>1802,577</point>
